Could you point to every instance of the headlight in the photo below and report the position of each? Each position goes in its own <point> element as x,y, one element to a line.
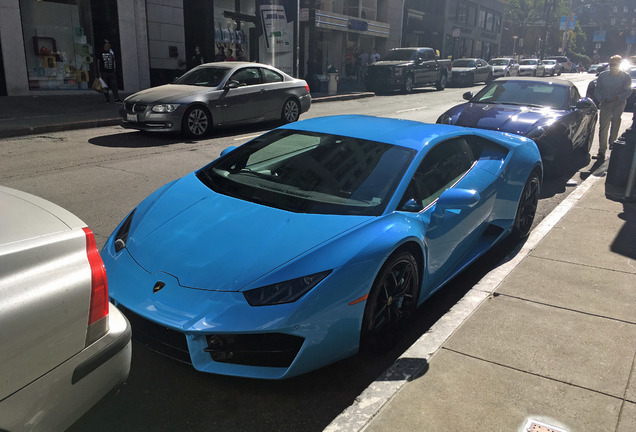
<point>165,108</point>
<point>444,119</point>
<point>397,72</point>
<point>122,235</point>
<point>284,292</point>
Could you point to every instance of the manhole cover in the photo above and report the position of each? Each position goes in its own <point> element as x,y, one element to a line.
<point>535,426</point>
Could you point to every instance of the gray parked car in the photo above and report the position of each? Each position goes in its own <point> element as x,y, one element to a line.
<point>63,346</point>
<point>468,71</point>
<point>504,67</point>
<point>215,94</point>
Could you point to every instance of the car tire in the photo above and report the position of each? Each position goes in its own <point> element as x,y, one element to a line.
<point>441,83</point>
<point>527,207</point>
<point>489,78</point>
<point>391,300</point>
<point>559,73</point>
<point>291,111</point>
<point>408,84</point>
<point>196,122</point>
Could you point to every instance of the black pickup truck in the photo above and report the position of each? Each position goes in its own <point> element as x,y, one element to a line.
<point>407,68</point>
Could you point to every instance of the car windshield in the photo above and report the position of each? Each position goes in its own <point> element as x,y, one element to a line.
<point>307,172</point>
<point>464,63</point>
<point>528,62</point>
<point>549,62</point>
<point>530,93</point>
<point>499,62</point>
<point>400,54</point>
<point>205,76</point>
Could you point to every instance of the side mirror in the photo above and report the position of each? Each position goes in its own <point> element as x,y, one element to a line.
<point>232,85</point>
<point>411,206</point>
<point>457,199</point>
<point>468,95</point>
<point>227,150</point>
<point>584,104</point>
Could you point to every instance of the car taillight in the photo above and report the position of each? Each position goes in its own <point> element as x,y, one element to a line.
<point>307,88</point>
<point>98,312</point>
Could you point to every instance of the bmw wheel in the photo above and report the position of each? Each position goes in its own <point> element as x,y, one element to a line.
<point>196,122</point>
<point>392,299</point>
<point>527,207</point>
<point>291,111</point>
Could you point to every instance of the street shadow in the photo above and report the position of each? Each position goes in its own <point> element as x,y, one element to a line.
<point>578,170</point>
<point>624,243</point>
<point>139,139</point>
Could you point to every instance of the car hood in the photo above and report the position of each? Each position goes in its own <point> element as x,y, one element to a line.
<point>514,119</point>
<point>167,93</point>
<point>215,242</point>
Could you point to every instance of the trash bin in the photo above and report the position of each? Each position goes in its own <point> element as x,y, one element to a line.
<point>332,86</point>
<point>622,166</point>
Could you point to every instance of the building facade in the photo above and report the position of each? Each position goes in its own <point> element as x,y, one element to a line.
<point>53,45</point>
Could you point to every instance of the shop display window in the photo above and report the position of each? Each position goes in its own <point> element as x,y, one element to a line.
<point>58,43</point>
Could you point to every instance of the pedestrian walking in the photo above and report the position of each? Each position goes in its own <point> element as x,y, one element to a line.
<point>613,87</point>
<point>107,68</point>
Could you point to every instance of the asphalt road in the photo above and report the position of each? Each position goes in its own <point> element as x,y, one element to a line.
<point>101,174</point>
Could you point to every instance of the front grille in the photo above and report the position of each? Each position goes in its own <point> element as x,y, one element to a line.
<point>267,349</point>
<point>378,73</point>
<point>157,337</point>
<point>135,107</point>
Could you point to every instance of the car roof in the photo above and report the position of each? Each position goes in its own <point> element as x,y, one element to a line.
<point>406,133</point>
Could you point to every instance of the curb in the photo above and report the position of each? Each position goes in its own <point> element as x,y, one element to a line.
<point>415,359</point>
<point>87,124</point>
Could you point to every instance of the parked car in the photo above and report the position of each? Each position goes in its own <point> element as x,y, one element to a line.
<point>468,71</point>
<point>631,100</point>
<point>407,68</point>
<point>566,64</point>
<point>531,67</point>
<point>351,238</point>
<point>63,345</point>
<point>504,67</point>
<point>551,67</point>
<point>215,94</point>
<point>598,68</point>
<point>552,113</point>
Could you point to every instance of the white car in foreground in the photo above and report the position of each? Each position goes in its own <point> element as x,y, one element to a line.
<point>63,346</point>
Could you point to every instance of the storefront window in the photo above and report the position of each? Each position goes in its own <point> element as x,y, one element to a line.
<point>231,36</point>
<point>58,43</point>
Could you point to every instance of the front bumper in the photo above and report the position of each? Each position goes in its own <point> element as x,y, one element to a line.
<point>212,330</point>
<point>140,117</point>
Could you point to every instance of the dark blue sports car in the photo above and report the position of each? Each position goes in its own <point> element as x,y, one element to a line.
<point>299,247</point>
<point>550,112</point>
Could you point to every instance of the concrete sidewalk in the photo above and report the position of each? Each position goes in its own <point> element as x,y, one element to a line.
<point>545,342</point>
<point>26,115</point>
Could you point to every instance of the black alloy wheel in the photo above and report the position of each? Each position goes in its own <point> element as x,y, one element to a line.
<point>527,207</point>
<point>392,299</point>
<point>291,111</point>
<point>196,122</point>
<point>408,84</point>
<point>441,84</point>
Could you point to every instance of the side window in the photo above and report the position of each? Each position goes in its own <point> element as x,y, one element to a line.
<point>428,55</point>
<point>247,76</point>
<point>442,167</point>
<point>269,76</point>
<point>574,95</point>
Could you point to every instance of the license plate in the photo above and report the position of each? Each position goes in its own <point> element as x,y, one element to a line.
<point>131,117</point>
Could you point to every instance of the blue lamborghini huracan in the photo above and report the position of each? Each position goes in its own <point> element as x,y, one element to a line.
<point>315,239</point>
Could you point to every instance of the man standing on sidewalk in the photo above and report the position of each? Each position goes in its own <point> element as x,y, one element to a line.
<point>613,87</point>
<point>107,71</point>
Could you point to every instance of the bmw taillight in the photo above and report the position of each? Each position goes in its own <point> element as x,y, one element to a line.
<point>98,312</point>
<point>307,88</point>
